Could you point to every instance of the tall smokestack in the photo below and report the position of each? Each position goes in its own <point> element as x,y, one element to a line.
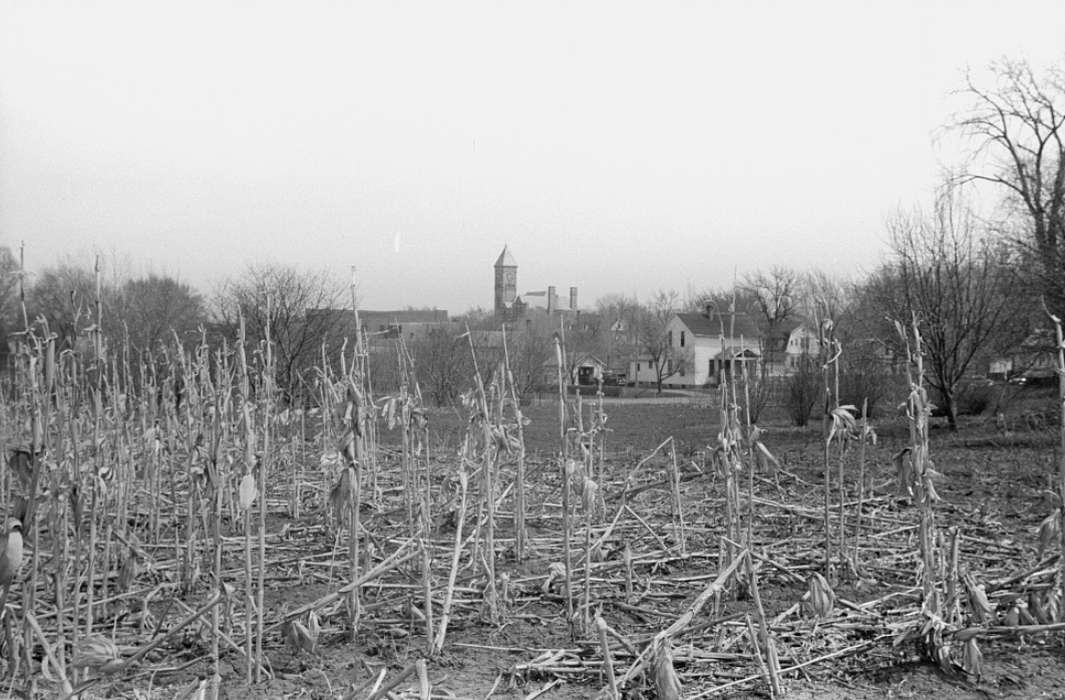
<point>572,298</point>
<point>552,300</point>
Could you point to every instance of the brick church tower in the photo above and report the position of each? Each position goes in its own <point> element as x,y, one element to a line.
<point>506,284</point>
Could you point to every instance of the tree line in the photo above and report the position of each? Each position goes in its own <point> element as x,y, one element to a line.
<point>977,280</point>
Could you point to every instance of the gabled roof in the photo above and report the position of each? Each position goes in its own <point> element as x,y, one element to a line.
<point>734,350</point>
<point>505,259</point>
<point>581,358</point>
<point>700,324</point>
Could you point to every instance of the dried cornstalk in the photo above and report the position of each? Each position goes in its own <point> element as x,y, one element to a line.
<point>1061,447</point>
<point>456,554</point>
<point>567,525</point>
<point>608,659</point>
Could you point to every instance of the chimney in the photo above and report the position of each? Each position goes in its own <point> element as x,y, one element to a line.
<point>572,298</point>
<point>552,301</point>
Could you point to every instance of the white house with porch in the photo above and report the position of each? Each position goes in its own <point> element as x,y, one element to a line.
<point>702,347</point>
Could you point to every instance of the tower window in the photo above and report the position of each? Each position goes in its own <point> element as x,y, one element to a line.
<point>682,338</point>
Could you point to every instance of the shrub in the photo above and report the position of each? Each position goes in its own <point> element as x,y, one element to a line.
<point>974,397</point>
<point>803,388</point>
<point>865,379</point>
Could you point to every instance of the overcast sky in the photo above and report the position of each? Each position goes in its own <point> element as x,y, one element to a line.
<point>619,147</point>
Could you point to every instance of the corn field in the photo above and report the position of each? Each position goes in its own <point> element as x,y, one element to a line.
<point>177,527</point>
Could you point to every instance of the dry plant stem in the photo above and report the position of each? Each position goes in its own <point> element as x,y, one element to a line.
<point>264,475</point>
<point>427,593</point>
<point>488,460</point>
<point>520,533</point>
<point>230,643</point>
<point>398,558</point>
<point>249,462</point>
<point>842,461</point>
<point>917,412</point>
<point>767,641</point>
<point>358,425</point>
<point>172,632</point>
<point>567,526</point>
<point>1061,453</point>
<point>758,656</point>
<point>848,651</point>
<point>842,544</point>
<point>608,659</point>
<point>825,340</point>
<point>424,689</point>
<point>750,456</point>
<point>627,557</point>
<point>64,683</point>
<point>386,689</point>
<point>682,622</point>
<point>456,554</point>
<point>953,603</point>
<point>861,486</point>
<point>586,597</point>
<point>678,510</point>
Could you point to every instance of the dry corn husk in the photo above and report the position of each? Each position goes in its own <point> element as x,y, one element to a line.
<point>1052,604</point>
<point>1025,614</point>
<point>820,598</point>
<point>904,472</point>
<point>982,610</point>
<point>972,660</point>
<point>555,572</point>
<point>128,572</point>
<point>1049,532</point>
<point>96,652</point>
<point>667,683</point>
<point>1038,611</point>
<point>247,491</point>
<point>299,637</point>
<point>590,498</point>
<point>340,496</point>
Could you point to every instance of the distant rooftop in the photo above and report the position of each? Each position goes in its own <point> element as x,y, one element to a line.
<point>716,325</point>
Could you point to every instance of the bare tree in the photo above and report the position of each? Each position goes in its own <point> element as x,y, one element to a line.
<point>531,347</point>
<point>656,346</point>
<point>824,295</point>
<point>280,296</point>
<point>620,318</point>
<point>955,282</point>
<point>443,363</point>
<point>775,296</point>
<point>155,307</point>
<point>65,295</point>
<point>1018,125</point>
<point>10,316</point>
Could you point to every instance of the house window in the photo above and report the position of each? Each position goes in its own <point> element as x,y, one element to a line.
<point>669,337</point>
<point>637,366</point>
<point>682,338</point>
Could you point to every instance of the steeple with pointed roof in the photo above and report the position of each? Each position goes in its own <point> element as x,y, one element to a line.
<point>506,283</point>
<point>505,259</point>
